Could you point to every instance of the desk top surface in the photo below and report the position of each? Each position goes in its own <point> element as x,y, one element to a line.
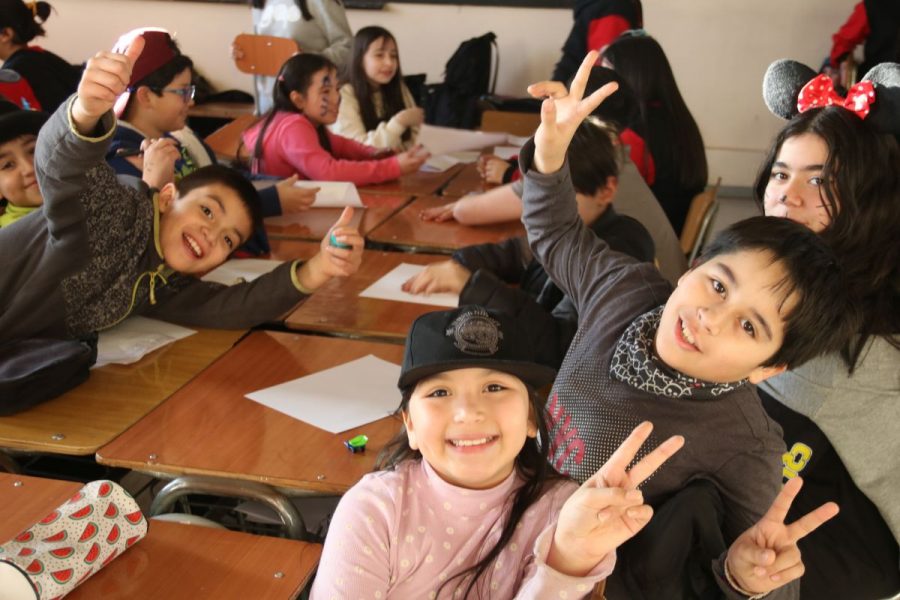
<point>313,224</point>
<point>210,428</point>
<point>467,181</point>
<point>174,561</point>
<point>415,184</point>
<point>113,398</point>
<point>337,307</point>
<point>407,230</point>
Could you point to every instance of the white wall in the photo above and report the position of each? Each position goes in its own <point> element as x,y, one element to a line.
<point>719,49</point>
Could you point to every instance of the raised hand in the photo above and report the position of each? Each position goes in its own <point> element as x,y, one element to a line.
<point>293,198</point>
<point>446,276</point>
<point>766,556</point>
<point>105,78</point>
<point>561,113</point>
<point>333,261</point>
<point>608,509</point>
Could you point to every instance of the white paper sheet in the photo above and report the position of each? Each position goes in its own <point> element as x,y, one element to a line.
<point>340,398</point>
<point>333,193</point>
<point>442,162</point>
<point>507,152</point>
<point>389,288</point>
<point>236,270</point>
<point>135,337</point>
<point>444,140</point>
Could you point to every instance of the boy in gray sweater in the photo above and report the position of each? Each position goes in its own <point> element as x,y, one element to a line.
<point>103,248</point>
<point>767,296</point>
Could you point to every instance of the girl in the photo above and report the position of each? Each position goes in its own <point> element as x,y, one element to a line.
<point>51,78</point>
<point>836,173</point>
<point>293,138</point>
<point>467,504</point>
<point>318,26</point>
<point>376,107</point>
<point>674,140</point>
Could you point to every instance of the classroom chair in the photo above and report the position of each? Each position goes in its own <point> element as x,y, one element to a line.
<point>263,54</point>
<point>516,123</point>
<point>699,217</point>
<point>226,141</point>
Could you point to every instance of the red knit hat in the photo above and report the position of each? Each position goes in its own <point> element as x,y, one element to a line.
<point>158,50</point>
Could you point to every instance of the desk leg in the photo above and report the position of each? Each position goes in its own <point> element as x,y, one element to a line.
<point>191,484</point>
<point>8,464</point>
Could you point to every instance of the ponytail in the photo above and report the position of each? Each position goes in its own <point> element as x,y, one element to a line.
<point>25,20</point>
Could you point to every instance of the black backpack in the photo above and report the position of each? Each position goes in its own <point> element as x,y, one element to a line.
<point>467,77</point>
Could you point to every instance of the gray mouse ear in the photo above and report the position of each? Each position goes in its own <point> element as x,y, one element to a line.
<point>782,84</point>
<point>885,114</point>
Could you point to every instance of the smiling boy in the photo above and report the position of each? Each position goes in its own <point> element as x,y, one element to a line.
<point>767,295</point>
<point>106,248</point>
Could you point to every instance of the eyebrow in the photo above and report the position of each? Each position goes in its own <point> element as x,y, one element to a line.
<point>784,165</point>
<point>221,204</point>
<point>732,280</point>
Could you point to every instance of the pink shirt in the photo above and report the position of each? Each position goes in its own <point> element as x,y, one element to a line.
<point>400,534</point>
<point>292,146</point>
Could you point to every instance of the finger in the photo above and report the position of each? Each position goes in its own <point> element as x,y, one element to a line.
<point>626,451</point>
<point>749,553</point>
<point>548,89</point>
<point>291,180</point>
<point>579,82</point>
<point>591,103</point>
<point>598,498</point>
<point>548,112</point>
<point>793,572</point>
<point>782,503</point>
<point>345,218</point>
<point>410,284</point>
<point>811,521</point>
<point>134,50</point>
<point>653,461</point>
<point>787,557</point>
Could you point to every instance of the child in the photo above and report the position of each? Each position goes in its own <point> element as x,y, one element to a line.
<point>18,184</point>
<point>51,78</point>
<point>466,504</point>
<point>293,138</point>
<point>376,107</point>
<point>835,172</point>
<point>105,250</point>
<point>156,107</point>
<point>766,295</point>
<point>480,274</point>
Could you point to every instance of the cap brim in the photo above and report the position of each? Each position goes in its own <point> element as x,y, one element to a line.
<point>25,122</point>
<point>533,374</point>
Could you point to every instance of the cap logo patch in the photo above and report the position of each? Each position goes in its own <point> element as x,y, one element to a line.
<point>475,332</point>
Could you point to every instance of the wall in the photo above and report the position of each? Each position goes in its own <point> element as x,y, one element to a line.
<point>719,50</point>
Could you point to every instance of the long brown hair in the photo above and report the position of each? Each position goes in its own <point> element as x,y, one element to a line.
<point>391,92</point>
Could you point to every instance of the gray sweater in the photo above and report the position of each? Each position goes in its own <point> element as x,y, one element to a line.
<point>90,257</point>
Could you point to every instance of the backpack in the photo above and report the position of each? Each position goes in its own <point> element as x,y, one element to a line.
<point>16,89</point>
<point>467,77</point>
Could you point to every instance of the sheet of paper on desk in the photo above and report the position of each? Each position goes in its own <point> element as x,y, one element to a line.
<point>340,398</point>
<point>237,270</point>
<point>389,287</point>
<point>134,338</point>
<point>444,140</point>
<point>333,193</point>
<point>507,152</point>
<point>442,162</point>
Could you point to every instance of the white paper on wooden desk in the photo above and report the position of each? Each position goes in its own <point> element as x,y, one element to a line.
<point>507,152</point>
<point>442,162</point>
<point>444,140</point>
<point>134,338</point>
<point>333,193</point>
<point>237,270</point>
<point>340,398</point>
<point>389,287</point>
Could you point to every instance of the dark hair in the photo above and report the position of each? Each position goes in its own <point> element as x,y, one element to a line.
<point>295,75</point>
<point>593,158</point>
<point>163,76</point>
<point>301,4</point>
<point>230,178</point>
<point>25,22</point>
<point>823,317</point>
<point>532,465</point>
<point>391,92</point>
<point>862,199</point>
<point>640,61</point>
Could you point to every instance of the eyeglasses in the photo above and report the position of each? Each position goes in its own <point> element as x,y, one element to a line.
<point>186,93</point>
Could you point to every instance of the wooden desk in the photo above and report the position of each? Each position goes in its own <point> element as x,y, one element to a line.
<point>174,561</point>
<point>221,110</point>
<point>337,308</point>
<point>114,397</point>
<point>406,230</point>
<point>209,427</point>
<point>416,184</point>
<point>282,249</point>
<point>314,223</point>
<point>467,181</point>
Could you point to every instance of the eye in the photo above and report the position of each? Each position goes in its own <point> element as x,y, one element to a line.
<point>718,287</point>
<point>438,393</point>
<point>229,242</point>
<point>748,328</point>
<point>816,181</point>
<point>206,211</point>
<point>495,387</point>
<point>7,165</point>
<point>779,176</point>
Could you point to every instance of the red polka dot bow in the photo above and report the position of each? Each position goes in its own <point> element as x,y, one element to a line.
<point>820,92</point>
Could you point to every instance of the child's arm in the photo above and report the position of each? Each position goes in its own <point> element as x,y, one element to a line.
<point>349,124</point>
<point>498,205</point>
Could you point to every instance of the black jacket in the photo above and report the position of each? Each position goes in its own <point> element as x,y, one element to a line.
<point>51,78</point>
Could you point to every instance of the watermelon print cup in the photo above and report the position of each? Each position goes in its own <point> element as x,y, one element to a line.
<point>49,559</point>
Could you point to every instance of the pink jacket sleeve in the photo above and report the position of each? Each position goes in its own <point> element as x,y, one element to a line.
<point>851,34</point>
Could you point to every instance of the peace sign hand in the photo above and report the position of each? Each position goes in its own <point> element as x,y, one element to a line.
<point>607,510</point>
<point>766,556</point>
<point>561,113</point>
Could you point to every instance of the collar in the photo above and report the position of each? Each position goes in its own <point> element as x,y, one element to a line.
<point>156,216</point>
<point>13,213</point>
<point>635,363</point>
<point>604,220</point>
<point>463,501</point>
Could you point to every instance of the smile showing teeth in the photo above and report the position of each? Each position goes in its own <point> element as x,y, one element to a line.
<point>195,247</point>
<point>466,443</point>
<point>687,334</point>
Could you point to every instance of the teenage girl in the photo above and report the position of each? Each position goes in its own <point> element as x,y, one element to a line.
<point>674,140</point>
<point>466,504</point>
<point>376,107</point>
<point>293,137</point>
<point>51,78</point>
<point>837,174</point>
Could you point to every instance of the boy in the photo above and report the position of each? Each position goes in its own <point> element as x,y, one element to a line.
<point>480,274</point>
<point>767,296</point>
<point>104,250</point>
<point>18,184</point>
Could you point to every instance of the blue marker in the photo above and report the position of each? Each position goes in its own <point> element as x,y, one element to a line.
<point>333,241</point>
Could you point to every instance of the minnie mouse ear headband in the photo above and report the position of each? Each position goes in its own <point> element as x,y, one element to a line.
<point>790,88</point>
<point>159,49</point>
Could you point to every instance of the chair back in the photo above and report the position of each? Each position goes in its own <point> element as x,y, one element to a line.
<point>226,140</point>
<point>699,217</point>
<point>516,123</point>
<point>263,54</point>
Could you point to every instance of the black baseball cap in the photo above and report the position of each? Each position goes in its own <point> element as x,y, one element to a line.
<point>15,122</point>
<point>467,337</point>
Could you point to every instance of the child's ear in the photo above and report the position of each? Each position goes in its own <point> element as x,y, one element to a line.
<point>298,100</point>
<point>760,374</point>
<point>532,430</point>
<point>167,196</point>
<point>410,431</point>
<point>142,94</point>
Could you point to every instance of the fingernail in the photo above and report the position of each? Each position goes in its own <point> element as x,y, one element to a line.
<point>634,495</point>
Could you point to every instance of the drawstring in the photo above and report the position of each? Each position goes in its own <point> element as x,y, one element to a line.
<point>153,275</point>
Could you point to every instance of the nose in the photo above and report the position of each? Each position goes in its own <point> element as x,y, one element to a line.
<point>791,195</point>
<point>711,318</point>
<point>467,407</point>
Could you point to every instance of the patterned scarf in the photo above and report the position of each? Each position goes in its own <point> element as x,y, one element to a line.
<point>635,363</point>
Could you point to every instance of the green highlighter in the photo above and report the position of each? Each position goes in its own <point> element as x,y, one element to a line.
<point>357,444</point>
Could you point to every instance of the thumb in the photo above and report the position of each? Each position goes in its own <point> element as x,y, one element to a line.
<point>291,180</point>
<point>548,111</point>
<point>134,50</point>
<point>345,217</point>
